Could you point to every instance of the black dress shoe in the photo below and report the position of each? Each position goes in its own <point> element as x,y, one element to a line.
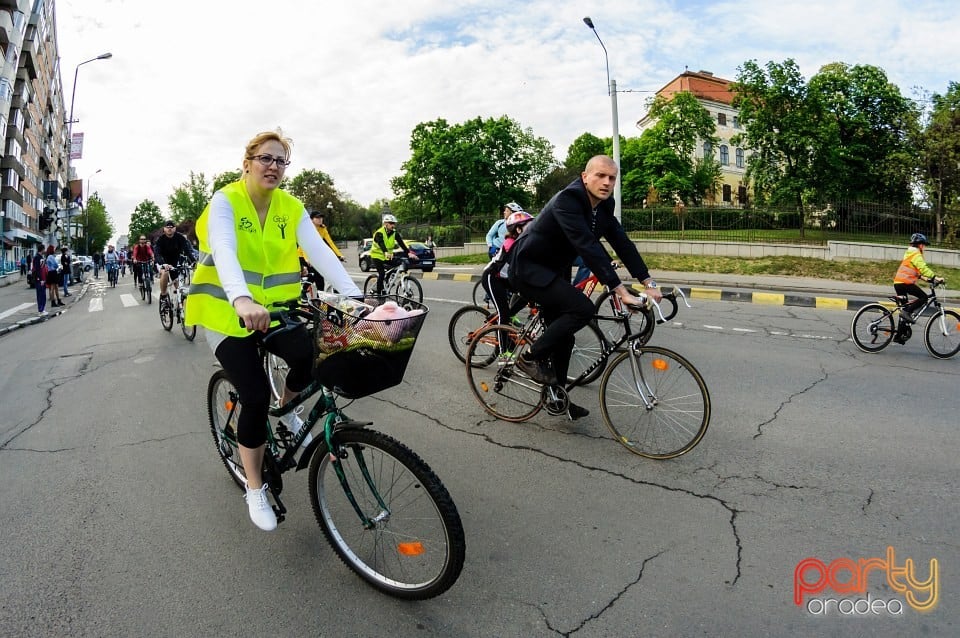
<point>576,412</point>
<point>539,371</point>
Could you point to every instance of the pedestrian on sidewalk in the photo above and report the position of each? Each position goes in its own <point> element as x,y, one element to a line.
<point>23,265</point>
<point>39,283</point>
<point>53,277</point>
<point>65,260</point>
<point>96,265</point>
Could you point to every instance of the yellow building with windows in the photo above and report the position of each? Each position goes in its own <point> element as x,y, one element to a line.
<point>715,95</point>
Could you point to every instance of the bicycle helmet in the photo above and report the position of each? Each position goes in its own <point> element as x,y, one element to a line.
<point>518,218</point>
<point>514,206</point>
<point>918,238</point>
<point>389,218</point>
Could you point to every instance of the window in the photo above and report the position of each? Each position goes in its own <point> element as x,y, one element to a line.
<point>724,155</point>
<point>722,119</point>
<point>707,149</point>
<point>736,122</point>
<point>727,192</point>
<point>742,194</point>
<point>739,158</point>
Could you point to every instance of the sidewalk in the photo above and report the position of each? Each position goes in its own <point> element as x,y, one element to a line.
<point>18,304</point>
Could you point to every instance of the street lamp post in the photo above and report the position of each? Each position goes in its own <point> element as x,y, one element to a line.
<point>86,213</point>
<point>612,92</point>
<point>73,95</point>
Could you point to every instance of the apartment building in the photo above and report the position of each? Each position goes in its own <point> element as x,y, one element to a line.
<point>714,94</point>
<point>33,161</point>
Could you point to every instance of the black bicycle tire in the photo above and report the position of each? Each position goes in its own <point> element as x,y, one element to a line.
<point>166,315</point>
<point>670,407</point>
<point>479,294</point>
<point>369,284</point>
<point>591,329</point>
<point>458,336</point>
<point>953,322</point>
<point>276,369</point>
<point>214,416</point>
<point>884,332</point>
<point>189,332</point>
<point>487,377</point>
<point>428,484</point>
<point>413,283</point>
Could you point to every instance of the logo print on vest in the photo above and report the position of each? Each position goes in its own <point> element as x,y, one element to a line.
<point>281,224</point>
<point>245,225</point>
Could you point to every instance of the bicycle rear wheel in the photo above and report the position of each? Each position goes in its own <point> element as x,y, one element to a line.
<point>409,541</point>
<point>501,388</point>
<point>464,324</point>
<point>587,349</point>
<point>872,328</point>
<point>676,413</point>
<point>942,334</point>
<point>223,409</point>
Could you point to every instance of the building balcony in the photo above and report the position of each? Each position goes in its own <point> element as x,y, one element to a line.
<point>28,60</point>
<point>9,161</point>
<point>11,193</point>
<point>6,26</point>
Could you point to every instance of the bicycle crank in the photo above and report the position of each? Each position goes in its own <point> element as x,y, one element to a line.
<point>555,400</point>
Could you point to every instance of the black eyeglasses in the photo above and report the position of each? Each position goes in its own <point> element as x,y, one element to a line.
<point>267,160</point>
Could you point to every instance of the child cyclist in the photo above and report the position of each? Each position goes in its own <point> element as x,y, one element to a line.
<point>494,276</point>
<point>912,267</point>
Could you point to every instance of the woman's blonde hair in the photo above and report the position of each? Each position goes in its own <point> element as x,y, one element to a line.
<point>268,136</point>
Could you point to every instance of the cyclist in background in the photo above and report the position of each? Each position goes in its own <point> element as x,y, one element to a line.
<point>111,261</point>
<point>308,271</point>
<point>170,249</point>
<point>142,253</point>
<point>494,276</point>
<point>381,252</point>
<point>498,231</point>
<point>912,267</point>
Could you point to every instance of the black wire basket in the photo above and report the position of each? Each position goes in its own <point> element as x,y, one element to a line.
<point>355,356</point>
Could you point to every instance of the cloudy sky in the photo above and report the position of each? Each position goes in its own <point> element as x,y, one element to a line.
<point>190,81</point>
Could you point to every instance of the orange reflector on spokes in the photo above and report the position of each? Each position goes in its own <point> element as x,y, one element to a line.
<point>413,548</point>
<point>228,405</point>
<point>660,364</point>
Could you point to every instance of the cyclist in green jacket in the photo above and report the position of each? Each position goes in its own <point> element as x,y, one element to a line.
<point>381,252</point>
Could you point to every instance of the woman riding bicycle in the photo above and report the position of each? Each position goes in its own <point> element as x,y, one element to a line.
<point>248,261</point>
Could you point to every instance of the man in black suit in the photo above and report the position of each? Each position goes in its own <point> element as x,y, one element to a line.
<point>571,225</point>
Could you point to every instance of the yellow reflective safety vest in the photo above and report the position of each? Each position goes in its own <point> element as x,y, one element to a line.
<point>389,239</point>
<point>912,266</point>
<point>267,255</point>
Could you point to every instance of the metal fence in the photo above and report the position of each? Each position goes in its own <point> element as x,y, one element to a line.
<point>819,223</point>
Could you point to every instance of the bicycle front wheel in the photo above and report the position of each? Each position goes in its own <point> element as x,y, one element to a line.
<point>872,328</point>
<point>479,295</point>
<point>166,314</point>
<point>587,349</point>
<point>501,388</point>
<point>189,332</point>
<point>370,285</point>
<point>277,370</point>
<point>942,334</point>
<point>654,402</point>
<point>403,535</point>
<point>465,323</point>
<point>410,288</point>
<point>223,408</point>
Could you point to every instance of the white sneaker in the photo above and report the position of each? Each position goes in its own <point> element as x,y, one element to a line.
<point>261,513</point>
<point>294,423</point>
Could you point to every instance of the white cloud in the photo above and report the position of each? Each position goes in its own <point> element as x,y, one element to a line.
<point>191,81</point>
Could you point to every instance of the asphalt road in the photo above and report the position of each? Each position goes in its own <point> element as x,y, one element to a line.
<point>120,521</point>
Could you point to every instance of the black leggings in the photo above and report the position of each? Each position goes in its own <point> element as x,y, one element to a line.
<point>565,310</point>
<point>241,360</point>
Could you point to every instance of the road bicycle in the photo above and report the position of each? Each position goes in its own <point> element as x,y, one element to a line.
<point>876,324</point>
<point>382,509</point>
<point>145,280</point>
<point>175,308</point>
<point>653,401</point>
<point>397,281</point>
<point>112,270</point>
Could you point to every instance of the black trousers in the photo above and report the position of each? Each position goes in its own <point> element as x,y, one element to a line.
<point>240,359</point>
<point>565,310</point>
<point>912,290</point>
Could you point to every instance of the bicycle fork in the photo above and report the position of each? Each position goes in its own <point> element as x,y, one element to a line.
<point>337,453</point>
<point>647,395</point>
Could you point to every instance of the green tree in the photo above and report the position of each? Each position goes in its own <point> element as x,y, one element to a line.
<point>472,167</point>
<point>940,153</point>
<point>864,135</point>
<point>146,219</point>
<point>315,189</point>
<point>99,227</point>
<point>190,198</point>
<point>222,179</point>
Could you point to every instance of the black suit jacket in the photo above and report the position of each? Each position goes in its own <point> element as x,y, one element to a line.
<point>564,229</point>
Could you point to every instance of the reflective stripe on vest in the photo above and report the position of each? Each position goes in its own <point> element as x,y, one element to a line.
<point>268,256</point>
<point>390,240</point>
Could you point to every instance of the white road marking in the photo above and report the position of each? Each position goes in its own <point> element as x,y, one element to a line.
<point>23,306</point>
<point>128,300</point>
<point>743,330</point>
<point>96,304</point>
<point>713,327</point>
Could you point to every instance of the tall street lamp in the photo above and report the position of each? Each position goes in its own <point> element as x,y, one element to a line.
<point>612,92</point>
<point>86,213</point>
<point>73,95</point>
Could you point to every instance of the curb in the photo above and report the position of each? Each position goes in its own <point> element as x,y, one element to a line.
<point>23,323</point>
